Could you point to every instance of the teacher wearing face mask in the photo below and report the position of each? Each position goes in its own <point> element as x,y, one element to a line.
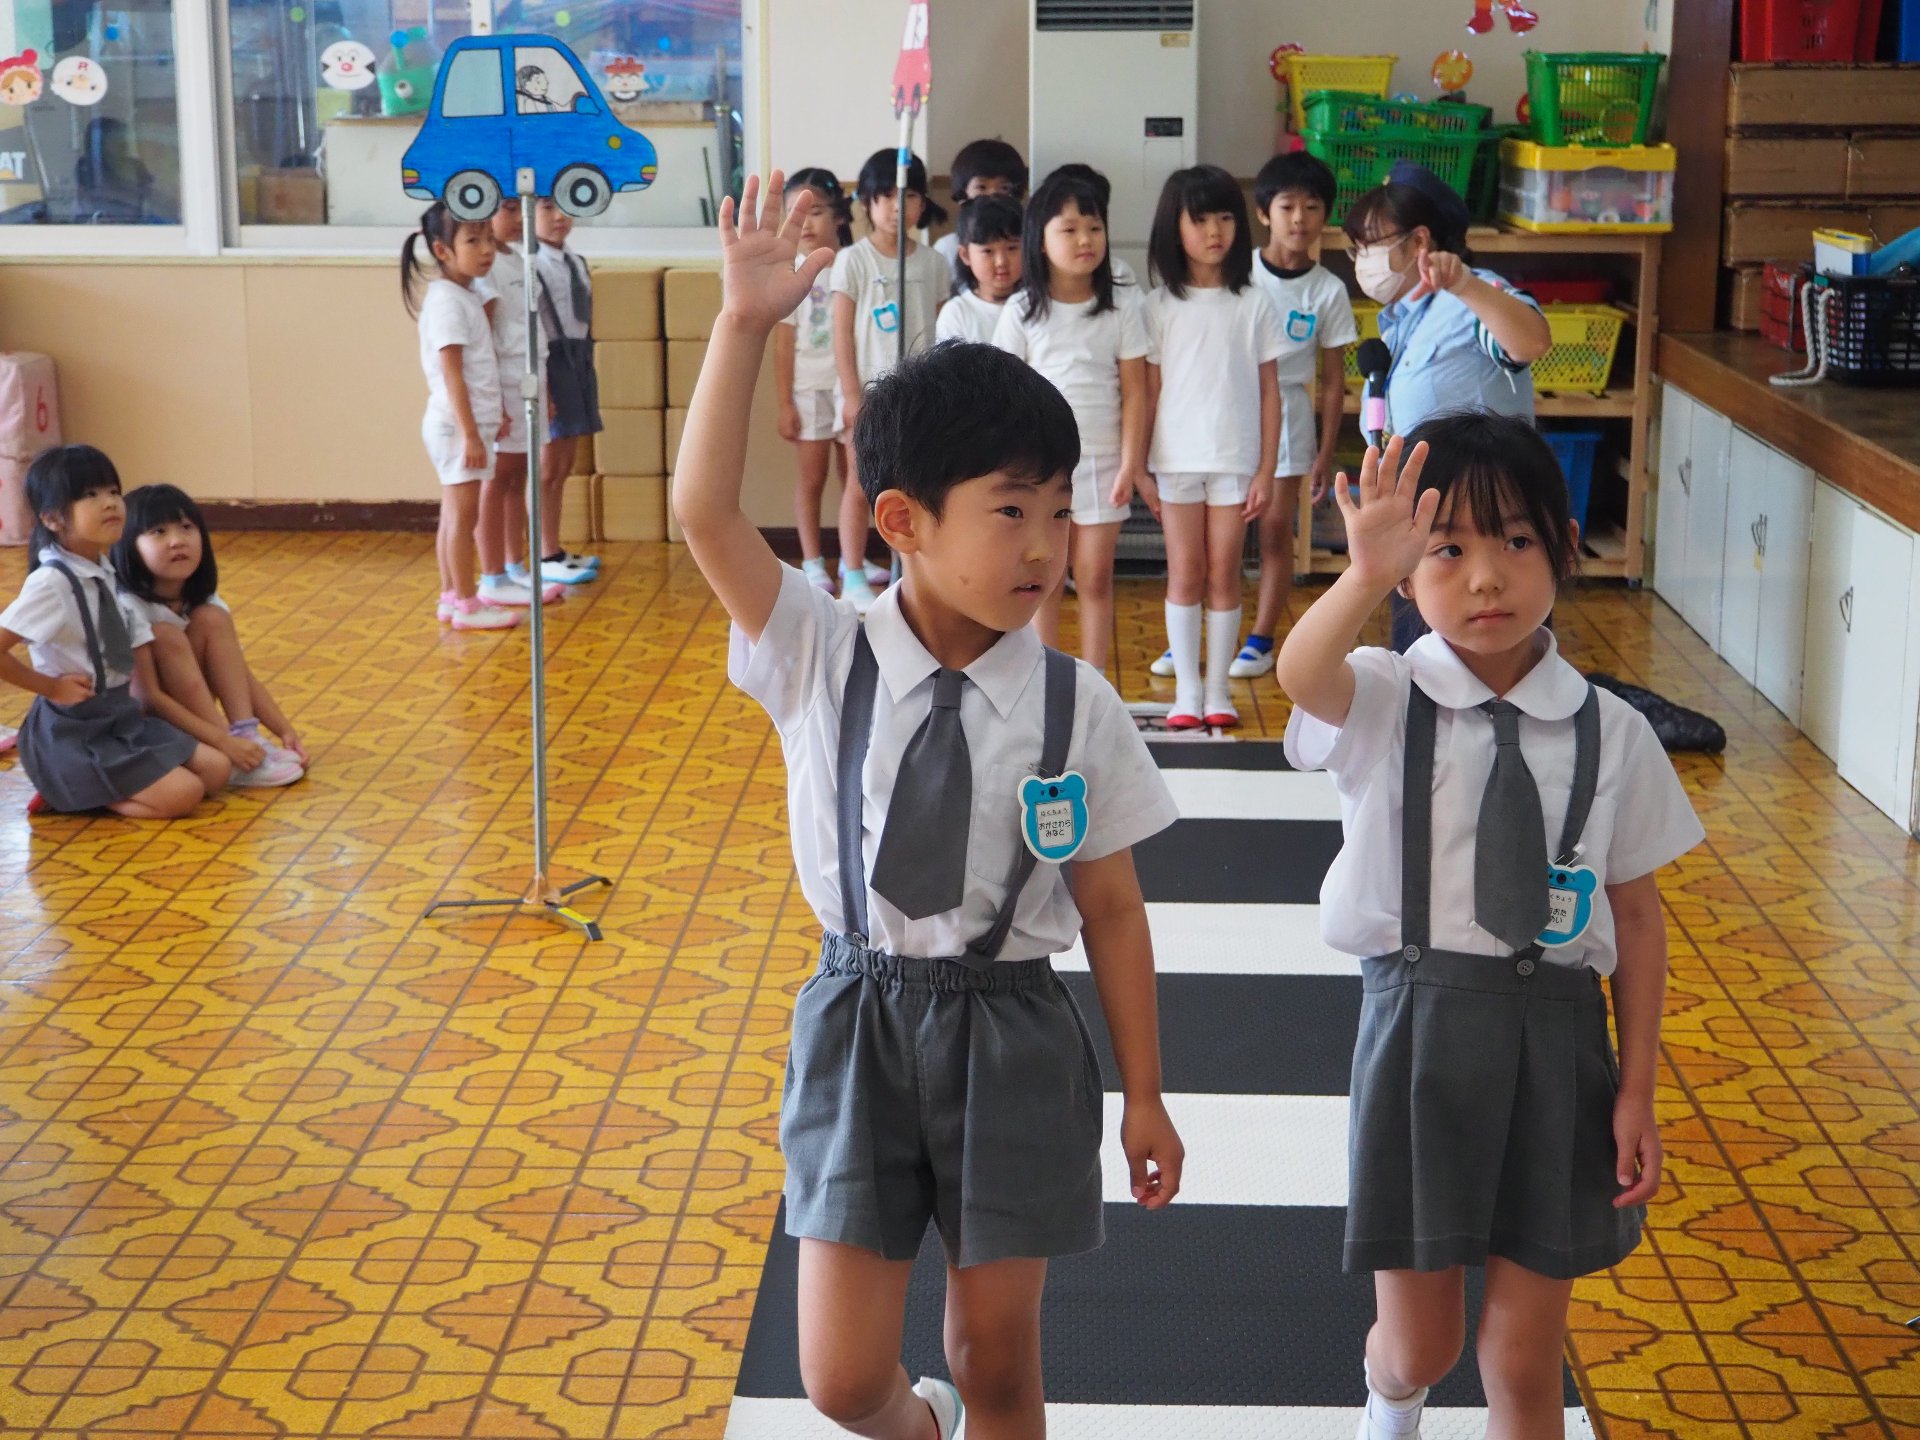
<point>1461,337</point>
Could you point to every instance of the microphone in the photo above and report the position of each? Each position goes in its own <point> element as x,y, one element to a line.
<point>1374,360</point>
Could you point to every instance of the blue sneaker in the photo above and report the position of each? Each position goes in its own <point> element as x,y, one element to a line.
<point>1163,667</point>
<point>1255,658</point>
<point>944,1401</point>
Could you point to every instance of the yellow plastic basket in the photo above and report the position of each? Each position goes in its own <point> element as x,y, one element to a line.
<point>1361,74</point>
<point>1366,319</point>
<point>1584,340</point>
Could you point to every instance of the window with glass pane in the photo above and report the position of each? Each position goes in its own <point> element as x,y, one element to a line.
<point>89,125</point>
<point>328,94</point>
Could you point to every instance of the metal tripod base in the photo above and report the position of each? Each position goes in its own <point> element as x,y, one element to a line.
<point>542,896</point>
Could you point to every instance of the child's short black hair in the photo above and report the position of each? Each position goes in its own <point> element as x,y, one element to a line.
<point>1086,174</point>
<point>955,413</point>
<point>987,160</point>
<point>56,481</point>
<point>983,220</point>
<point>1295,171</point>
<point>148,508</point>
<point>1498,466</point>
<point>1197,191</point>
<point>882,172</point>
<point>825,184</point>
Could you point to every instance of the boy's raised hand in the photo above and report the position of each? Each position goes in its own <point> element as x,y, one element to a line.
<point>761,285</point>
<point>1389,525</point>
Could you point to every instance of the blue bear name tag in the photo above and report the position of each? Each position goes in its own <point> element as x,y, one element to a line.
<point>1053,815</point>
<point>1570,893</point>
<point>1300,326</point>
<point>886,318</point>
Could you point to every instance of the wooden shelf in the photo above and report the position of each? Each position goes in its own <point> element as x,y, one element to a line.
<point>1489,240</point>
<point>1616,404</point>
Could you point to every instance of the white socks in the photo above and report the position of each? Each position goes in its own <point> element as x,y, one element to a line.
<point>1223,643</point>
<point>1183,638</point>
<point>1386,1417</point>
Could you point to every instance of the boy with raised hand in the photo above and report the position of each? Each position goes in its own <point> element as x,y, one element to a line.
<point>942,768</point>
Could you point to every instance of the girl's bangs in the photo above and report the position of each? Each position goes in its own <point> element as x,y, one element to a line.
<point>1211,194</point>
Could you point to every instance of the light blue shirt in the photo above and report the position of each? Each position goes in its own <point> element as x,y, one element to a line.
<point>1444,359</point>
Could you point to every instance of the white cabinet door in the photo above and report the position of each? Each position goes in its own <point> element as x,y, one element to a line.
<point>1875,724</point>
<point>1829,600</point>
<point>1670,500</point>
<point>1747,464</point>
<point>1786,517</point>
<point>1700,585</point>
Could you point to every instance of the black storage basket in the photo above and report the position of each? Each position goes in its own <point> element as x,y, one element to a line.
<point>1873,328</point>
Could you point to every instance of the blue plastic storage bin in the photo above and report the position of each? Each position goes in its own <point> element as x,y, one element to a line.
<point>1574,449</point>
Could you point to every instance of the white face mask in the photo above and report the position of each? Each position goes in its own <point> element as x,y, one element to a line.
<point>1373,269</point>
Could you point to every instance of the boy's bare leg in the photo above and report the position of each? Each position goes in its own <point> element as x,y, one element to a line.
<point>993,1347</point>
<point>853,1305</point>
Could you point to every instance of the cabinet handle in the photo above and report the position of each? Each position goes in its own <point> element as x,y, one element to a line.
<point>1758,529</point>
<point>1846,609</point>
<point>1766,528</point>
<point>1686,475</point>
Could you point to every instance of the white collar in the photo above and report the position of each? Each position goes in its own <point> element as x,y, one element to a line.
<point>1002,673</point>
<point>1551,690</point>
<point>84,568</point>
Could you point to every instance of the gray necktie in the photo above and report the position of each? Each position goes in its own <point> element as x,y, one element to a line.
<point>1510,862</point>
<point>922,865</point>
<point>116,646</point>
<point>581,294</point>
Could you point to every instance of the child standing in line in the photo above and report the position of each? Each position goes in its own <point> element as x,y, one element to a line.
<point>868,316</point>
<point>982,167</point>
<point>87,742</point>
<point>958,1090</point>
<point>1505,822</point>
<point>804,372</point>
<point>1216,405</point>
<point>465,410</point>
<point>573,387</point>
<point>502,531</point>
<point>1068,324</point>
<point>989,260</point>
<point>1123,276</point>
<point>1460,336</point>
<point>164,558</point>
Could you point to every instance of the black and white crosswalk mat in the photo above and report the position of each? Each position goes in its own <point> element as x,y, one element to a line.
<point>1225,1316</point>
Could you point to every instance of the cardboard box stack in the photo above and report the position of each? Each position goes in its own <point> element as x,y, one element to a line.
<point>692,305</point>
<point>629,455</point>
<point>1813,146</point>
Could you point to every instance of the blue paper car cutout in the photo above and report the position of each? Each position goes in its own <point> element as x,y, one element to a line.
<point>503,102</point>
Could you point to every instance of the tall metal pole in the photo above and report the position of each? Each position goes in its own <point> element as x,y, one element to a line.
<point>530,398</point>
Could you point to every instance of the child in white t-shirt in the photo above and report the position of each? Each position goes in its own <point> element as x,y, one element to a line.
<point>989,260</point>
<point>1294,194</point>
<point>1216,426</point>
<point>466,414</point>
<point>1070,324</point>
<point>811,412</point>
<point>869,316</point>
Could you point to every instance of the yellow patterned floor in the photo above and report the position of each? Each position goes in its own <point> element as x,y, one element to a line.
<point>278,1158</point>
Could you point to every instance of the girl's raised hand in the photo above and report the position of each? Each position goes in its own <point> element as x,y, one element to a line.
<point>1389,525</point>
<point>762,286</point>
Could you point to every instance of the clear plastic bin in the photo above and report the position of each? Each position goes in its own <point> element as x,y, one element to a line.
<point>1574,189</point>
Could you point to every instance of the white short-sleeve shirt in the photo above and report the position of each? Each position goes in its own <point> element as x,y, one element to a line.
<point>1080,352</point>
<point>798,671</point>
<point>45,616</point>
<point>812,322</point>
<point>505,288</point>
<point>452,314</point>
<point>1210,347</point>
<point>555,267</point>
<point>160,613</point>
<point>1641,818</point>
<point>869,279</point>
<point>1314,313</point>
<point>968,317</point>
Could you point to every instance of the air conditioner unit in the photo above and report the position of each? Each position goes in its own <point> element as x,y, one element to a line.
<point>1116,84</point>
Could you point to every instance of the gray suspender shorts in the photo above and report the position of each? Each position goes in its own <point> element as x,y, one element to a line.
<point>959,1089</point>
<point>106,748</point>
<point>1483,1086</point>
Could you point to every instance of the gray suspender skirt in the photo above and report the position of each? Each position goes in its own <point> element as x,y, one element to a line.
<point>963,1089</point>
<point>1483,1086</point>
<point>106,748</point>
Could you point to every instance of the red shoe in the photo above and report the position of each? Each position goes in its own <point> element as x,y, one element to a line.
<point>1222,719</point>
<point>36,803</point>
<point>1181,720</point>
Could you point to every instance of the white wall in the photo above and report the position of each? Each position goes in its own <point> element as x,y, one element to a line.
<point>827,80</point>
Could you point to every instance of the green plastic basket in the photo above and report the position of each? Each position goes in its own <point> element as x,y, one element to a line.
<point>1591,97</point>
<point>1361,162</point>
<point>1329,111</point>
<point>1483,190</point>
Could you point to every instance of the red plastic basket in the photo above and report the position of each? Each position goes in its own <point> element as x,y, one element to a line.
<point>1781,322</point>
<point>1829,30</point>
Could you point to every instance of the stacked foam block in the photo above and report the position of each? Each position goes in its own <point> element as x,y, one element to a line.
<point>629,454</point>
<point>692,305</point>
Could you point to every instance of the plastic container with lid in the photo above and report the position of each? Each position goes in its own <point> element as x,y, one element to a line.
<point>1574,189</point>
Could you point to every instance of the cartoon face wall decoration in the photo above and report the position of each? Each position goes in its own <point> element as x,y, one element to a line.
<point>626,79</point>
<point>20,79</point>
<point>347,65</point>
<point>79,81</point>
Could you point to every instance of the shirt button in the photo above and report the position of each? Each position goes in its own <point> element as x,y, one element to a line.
<point>1411,954</point>
<point>1524,967</point>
